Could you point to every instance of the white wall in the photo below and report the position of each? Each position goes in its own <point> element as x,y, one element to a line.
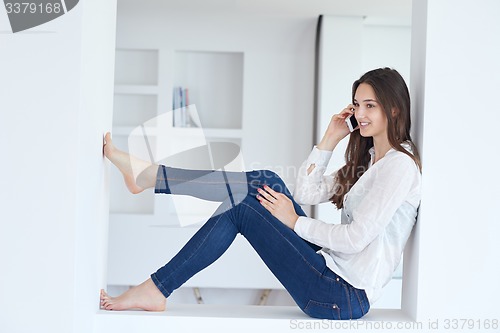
<point>456,88</point>
<point>55,104</point>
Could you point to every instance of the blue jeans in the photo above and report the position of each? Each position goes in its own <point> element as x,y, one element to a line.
<point>318,291</point>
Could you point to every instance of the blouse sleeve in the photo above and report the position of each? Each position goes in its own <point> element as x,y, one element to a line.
<point>316,187</point>
<point>390,187</point>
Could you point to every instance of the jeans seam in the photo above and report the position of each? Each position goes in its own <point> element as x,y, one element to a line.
<point>348,301</point>
<point>251,182</point>
<point>333,279</point>
<point>160,286</point>
<point>206,182</point>
<point>360,303</point>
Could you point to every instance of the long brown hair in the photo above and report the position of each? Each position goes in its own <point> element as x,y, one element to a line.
<point>392,94</point>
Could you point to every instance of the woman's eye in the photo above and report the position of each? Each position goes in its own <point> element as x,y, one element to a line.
<point>369,106</point>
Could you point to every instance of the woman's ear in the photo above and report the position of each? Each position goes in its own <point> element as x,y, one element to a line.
<point>394,112</point>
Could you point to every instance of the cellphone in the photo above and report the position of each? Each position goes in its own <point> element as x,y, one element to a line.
<point>352,123</point>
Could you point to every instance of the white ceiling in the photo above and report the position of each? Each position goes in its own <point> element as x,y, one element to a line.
<point>394,11</point>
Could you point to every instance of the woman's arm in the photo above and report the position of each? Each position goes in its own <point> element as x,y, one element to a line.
<point>312,185</point>
<point>390,187</point>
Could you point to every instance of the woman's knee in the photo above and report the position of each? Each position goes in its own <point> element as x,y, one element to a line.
<point>274,181</point>
<point>267,177</point>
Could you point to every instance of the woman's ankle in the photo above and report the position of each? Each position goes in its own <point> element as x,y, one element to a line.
<point>147,178</point>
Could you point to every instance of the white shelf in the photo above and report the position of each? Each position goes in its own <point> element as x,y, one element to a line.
<point>183,131</point>
<point>249,318</point>
<point>170,226</point>
<point>215,84</point>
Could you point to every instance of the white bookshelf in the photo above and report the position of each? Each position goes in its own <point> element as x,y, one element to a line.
<point>145,230</point>
<point>215,82</point>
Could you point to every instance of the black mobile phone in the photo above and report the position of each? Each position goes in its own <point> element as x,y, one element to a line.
<point>352,123</point>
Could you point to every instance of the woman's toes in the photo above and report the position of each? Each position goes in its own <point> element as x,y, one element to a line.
<point>107,138</point>
<point>106,300</point>
<point>106,304</point>
<point>104,295</point>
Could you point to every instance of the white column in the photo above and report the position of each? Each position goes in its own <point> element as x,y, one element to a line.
<point>340,65</point>
<point>455,84</point>
<point>94,119</point>
<point>56,90</point>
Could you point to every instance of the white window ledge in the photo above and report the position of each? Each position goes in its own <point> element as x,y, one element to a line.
<point>230,318</point>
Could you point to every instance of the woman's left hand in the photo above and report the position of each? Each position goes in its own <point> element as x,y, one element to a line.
<point>279,205</point>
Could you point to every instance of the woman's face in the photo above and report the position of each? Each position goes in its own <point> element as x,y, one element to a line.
<point>368,112</point>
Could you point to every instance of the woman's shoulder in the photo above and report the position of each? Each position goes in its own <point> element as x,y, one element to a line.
<point>399,159</point>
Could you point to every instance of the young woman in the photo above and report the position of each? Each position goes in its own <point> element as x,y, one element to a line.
<point>332,271</point>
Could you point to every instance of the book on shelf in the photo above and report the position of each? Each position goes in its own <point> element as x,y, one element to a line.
<point>180,107</point>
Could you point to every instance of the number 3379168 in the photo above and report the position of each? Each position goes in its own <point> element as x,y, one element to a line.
<point>32,8</point>
<point>475,324</point>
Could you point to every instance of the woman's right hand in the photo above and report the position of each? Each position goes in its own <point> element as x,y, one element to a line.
<point>337,129</point>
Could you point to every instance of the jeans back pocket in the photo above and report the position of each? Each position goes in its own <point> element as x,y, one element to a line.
<point>322,310</point>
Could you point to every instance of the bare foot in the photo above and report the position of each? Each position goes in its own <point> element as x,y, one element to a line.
<point>124,161</point>
<point>145,296</point>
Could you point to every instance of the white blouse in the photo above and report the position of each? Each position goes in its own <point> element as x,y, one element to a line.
<point>378,216</point>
